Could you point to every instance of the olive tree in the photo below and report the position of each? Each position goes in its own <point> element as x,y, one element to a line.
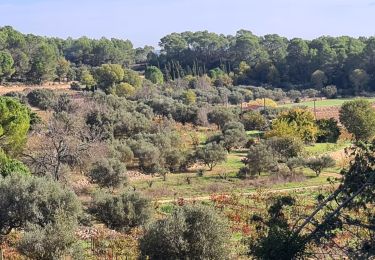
<point>358,117</point>
<point>190,232</point>
<point>121,212</point>
<point>211,154</point>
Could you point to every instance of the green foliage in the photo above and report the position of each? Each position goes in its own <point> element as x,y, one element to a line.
<point>275,239</point>
<point>43,64</point>
<point>108,173</point>
<point>10,166</point>
<point>108,75</point>
<point>220,116</point>
<point>295,123</point>
<point>131,77</point>
<point>191,232</point>
<point>260,158</point>
<point>318,164</point>
<point>233,136</point>
<point>253,120</point>
<point>359,78</point>
<point>329,131</point>
<point>123,90</point>
<point>211,154</point>
<point>87,79</point>
<point>14,125</point>
<point>42,98</point>
<point>121,212</point>
<point>155,75</point>
<point>190,97</point>
<point>6,65</point>
<point>31,200</point>
<point>62,69</point>
<point>358,117</point>
<point>329,91</point>
<point>55,240</point>
<point>285,147</point>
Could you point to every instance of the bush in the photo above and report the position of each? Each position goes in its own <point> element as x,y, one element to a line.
<point>286,147</point>
<point>42,98</point>
<point>329,131</point>
<point>253,120</point>
<point>108,173</point>
<point>191,232</point>
<point>54,241</point>
<point>31,200</point>
<point>121,212</point>
<point>211,154</point>
<point>9,166</point>
<point>318,164</point>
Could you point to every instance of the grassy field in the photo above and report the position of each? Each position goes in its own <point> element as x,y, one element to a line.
<point>324,103</point>
<point>223,179</point>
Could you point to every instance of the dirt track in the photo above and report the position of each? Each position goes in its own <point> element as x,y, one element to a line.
<point>19,88</point>
<point>203,198</point>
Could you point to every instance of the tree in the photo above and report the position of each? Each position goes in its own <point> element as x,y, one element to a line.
<point>14,125</point>
<point>220,116</point>
<point>190,97</point>
<point>211,154</point>
<point>27,200</point>
<point>358,117</point>
<point>53,241</point>
<point>10,166</point>
<point>190,232</point>
<point>234,135</point>
<point>329,131</point>
<point>108,75</point>
<point>62,69</point>
<point>155,75</point>
<point>334,217</point>
<point>329,91</point>
<point>285,147</point>
<point>108,173</point>
<point>123,90</point>
<point>132,77</point>
<point>260,158</point>
<point>6,65</point>
<point>359,78</point>
<point>43,64</point>
<point>87,79</point>
<point>318,79</point>
<point>318,164</point>
<point>295,123</point>
<point>121,212</point>
<point>253,120</point>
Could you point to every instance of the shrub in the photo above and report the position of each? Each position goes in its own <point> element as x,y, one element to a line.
<point>253,120</point>
<point>54,241</point>
<point>31,200</point>
<point>121,212</point>
<point>358,117</point>
<point>9,166</point>
<point>286,147</point>
<point>191,232</point>
<point>211,154</point>
<point>42,98</point>
<point>318,164</point>
<point>329,131</point>
<point>108,173</point>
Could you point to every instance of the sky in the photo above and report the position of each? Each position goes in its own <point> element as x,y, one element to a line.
<point>145,22</point>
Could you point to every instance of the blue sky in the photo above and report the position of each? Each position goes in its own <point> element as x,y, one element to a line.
<point>146,21</point>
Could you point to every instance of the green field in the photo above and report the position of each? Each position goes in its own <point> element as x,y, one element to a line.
<point>324,103</point>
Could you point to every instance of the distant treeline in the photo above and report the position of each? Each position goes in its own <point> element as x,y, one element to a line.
<point>244,59</point>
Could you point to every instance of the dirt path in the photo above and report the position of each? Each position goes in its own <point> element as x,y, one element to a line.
<point>207,197</point>
<point>19,88</point>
